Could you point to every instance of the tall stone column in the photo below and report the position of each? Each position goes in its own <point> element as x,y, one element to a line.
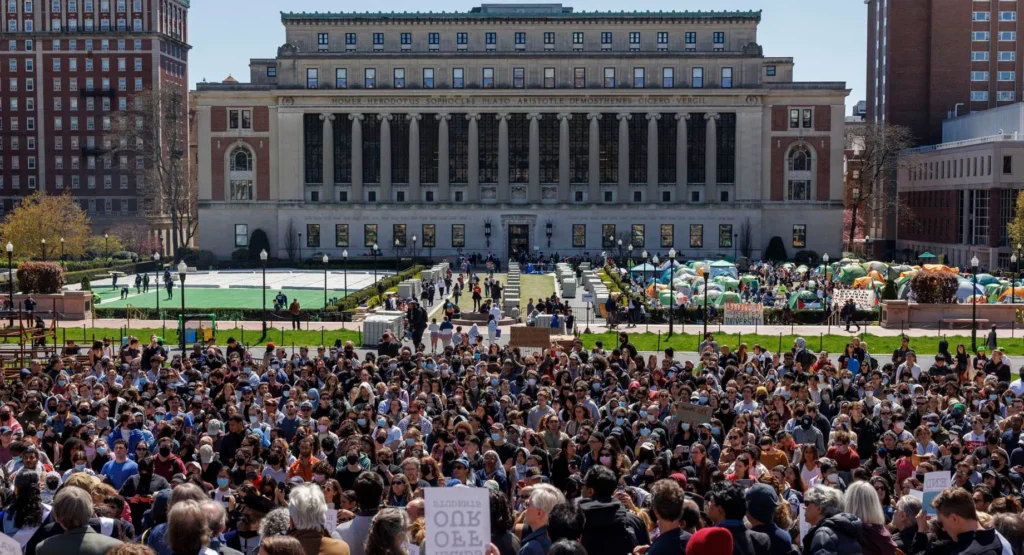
<point>623,155</point>
<point>385,158</point>
<point>534,194</point>
<point>564,185</point>
<point>594,158</point>
<point>652,156</point>
<point>711,155</point>
<point>681,137</point>
<point>443,182</point>
<point>328,158</point>
<point>474,157</point>
<point>766,154</point>
<point>357,157</point>
<point>414,157</point>
<point>504,191</point>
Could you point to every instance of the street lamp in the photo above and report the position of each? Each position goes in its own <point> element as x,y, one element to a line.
<point>620,252</point>
<point>1016,277</point>
<point>655,269</point>
<point>156,259</point>
<point>106,248</point>
<point>644,255</point>
<point>974,305</point>
<point>43,241</point>
<point>671,290</point>
<point>182,269</point>
<point>263,262</point>
<point>828,305</point>
<point>61,251</point>
<point>414,238</point>
<point>344,268</point>
<point>707,271</point>
<point>398,256</point>
<point>550,232</point>
<point>1013,287</point>
<point>374,252</point>
<point>10,278</point>
<point>325,281</point>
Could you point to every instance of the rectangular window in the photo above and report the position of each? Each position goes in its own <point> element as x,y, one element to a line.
<point>434,39</point>
<point>609,77</point>
<point>1010,56</point>
<point>1007,36</point>
<point>979,56</point>
<point>579,236</point>
<point>981,16</point>
<point>458,236</point>
<point>980,36</point>
<point>662,39</point>
<point>638,77</point>
<point>1007,164</point>
<point>637,236</point>
<point>1007,16</point>
<point>399,78</point>
<point>606,39</point>
<point>312,235</point>
<point>405,39</point>
<point>520,39</point>
<point>378,39</point>
<point>491,39</point>
<point>233,119</point>
<point>1005,96</point>
<point>718,40</point>
<point>321,42</point>
<point>807,117</point>
<point>697,78</point>
<point>458,78</point>
<point>370,235</point>
<point>579,78</point>
<point>577,40</point>
<point>725,236</point>
<point>691,39</point>
<point>607,236</point>
<point>246,119</point>
<point>428,78</point>
<point>370,78</point>
<point>488,78</point>
<point>1007,75</point>
<point>549,78</point>
<point>979,76</point>
<point>668,234</point>
<point>341,235</point>
<point>668,77</point>
<point>241,235</point>
<point>696,236</point>
<point>518,77</point>
<point>726,77</point>
<point>341,78</point>
<point>350,39</point>
<point>634,41</point>
<point>312,78</point>
<point>549,39</point>
<point>799,236</point>
<point>462,38</point>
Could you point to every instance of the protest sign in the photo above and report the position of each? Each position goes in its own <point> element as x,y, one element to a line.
<point>743,314</point>
<point>696,414</point>
<point>458,521</point>
<point>9,546</point>
<point>864,299</point>
<point>804,525</point>
<point>331,519</point>
<point>934,482</point>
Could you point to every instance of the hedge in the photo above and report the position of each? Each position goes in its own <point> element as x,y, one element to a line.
<point>97,273</point>
<point>40,277</point>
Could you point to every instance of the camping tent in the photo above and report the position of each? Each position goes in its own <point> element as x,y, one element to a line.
<point>727,297</point>
<point>849,273</point>
<point>722,267</point>
<point>966,289</point>
<point>803,300</point>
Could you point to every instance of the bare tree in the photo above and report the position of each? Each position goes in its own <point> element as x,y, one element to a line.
<point>878,153</point>
<point>291,242</point>
<point>746,238</point>
<point>155,130</point>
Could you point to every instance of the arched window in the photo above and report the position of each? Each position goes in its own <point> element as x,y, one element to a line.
<point>800,173</point>
<point>240,177</point>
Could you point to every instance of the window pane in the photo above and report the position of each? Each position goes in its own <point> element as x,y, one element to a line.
<point>696,236</point>
<point>667,235</point>
<point>607,236</point>
<point>341,235</point>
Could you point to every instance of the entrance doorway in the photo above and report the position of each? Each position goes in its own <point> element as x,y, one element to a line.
<point>518,239</point>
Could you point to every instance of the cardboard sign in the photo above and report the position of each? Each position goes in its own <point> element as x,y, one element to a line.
<point>331,520</point>
<point>804,525</point>
<point>696,414</point>
<point>9,546</point>
<point>743,314</point>
<point>863,299</point>
<point>934,482</point>
<point>530,336</point>
<point>458,520</point>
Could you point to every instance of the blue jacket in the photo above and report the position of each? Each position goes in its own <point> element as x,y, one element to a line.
<point>134,437</point>
<point>670,543</point>
<point>537,543</point>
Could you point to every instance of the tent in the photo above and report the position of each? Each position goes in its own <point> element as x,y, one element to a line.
<point>727,283</point>
<point>645,268</point>
<point>727,297</point>
<point>926,256</point>
<point>940,268</point>
<point>672,263</point>
<point>1016,292</point>
<point>865,282</point>
<point>976,299</point>
<point>987,279</point>
<point>966,289</point>
<point>897,269</point>
<point>803,300</point>
<point>876,266</point>
<point>725,268</point>
<point>849,273</point>
<point>802,269</point>
<point>751,283</point>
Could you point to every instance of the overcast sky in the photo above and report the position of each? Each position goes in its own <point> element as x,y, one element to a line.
<point>825,39</point>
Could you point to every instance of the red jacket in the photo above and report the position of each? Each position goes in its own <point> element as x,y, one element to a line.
<point>167,469</point>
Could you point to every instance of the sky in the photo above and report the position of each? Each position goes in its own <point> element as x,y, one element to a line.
<point>826,43</point>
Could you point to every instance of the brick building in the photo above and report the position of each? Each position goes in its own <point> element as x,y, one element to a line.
<point>66,67</point>
<point>521,127</point>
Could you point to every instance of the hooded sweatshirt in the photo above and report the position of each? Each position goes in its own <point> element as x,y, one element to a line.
<point>836,534</point>
<point>610,528</point>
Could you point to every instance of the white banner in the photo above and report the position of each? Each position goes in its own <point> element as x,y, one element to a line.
<point>743,314</point>
<point>458,520</point>
<point>865,299</point>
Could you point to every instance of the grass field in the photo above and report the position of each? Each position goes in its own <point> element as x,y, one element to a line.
<point>200,298</point>
<point>533,286</point>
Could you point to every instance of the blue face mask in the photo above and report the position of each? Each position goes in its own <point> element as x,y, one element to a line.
<point>619,421</point>
<point>645,432</point>
<point>494,382</point>
<point>596,386</point>
<point>496,437</point>
<point>933,428</point>
<point>246,370</point>
<point>622,404</point>
<point>410,441</point>
<point>361,421</point>
<point>382,423</point>
<point>702,401</point>
<point>222,482</point>
<point>79,468</point>
<point>643,414</point>
<point>61,383</point>
<point>715,430</point>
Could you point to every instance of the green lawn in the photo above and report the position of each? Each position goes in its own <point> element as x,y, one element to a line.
<point>84,336</point>
<point>201,298</point>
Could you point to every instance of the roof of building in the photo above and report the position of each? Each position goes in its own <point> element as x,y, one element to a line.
<point>525,11</point>
<point>230,80</point>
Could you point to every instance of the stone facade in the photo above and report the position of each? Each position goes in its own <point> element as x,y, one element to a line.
<point>521,127</point>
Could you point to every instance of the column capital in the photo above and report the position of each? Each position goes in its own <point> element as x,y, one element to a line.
<point>412,117</point>
<point>443,117</point>
<point>503,116</point>
<point>326,117</point>
<point>683,116</point>
<point>473,116</point>
<point>624,116</point>
<point>653,116</point>
<point>534,115</point>
<point>356,117</point>
<point>594,115</point>
<point>564,115</point>
<point>385,117</point>
<point>712,116</point>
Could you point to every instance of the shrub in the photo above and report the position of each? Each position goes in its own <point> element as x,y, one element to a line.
<point>201,259</point>
<point>889,292</point>
<point>806,257</point>
<point>86,284</point>
<point>126,255</point>
<point>40,277</point>
<point>240,255</point>
<point>934,287</point>
<point>258,241</point>
<point>776,251</point>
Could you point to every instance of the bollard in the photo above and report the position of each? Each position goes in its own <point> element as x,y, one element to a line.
<point>780,342</point>
<point>821,341</point>
<point>321,335</point>
<point>282,336</point>
<point>739,340</point>
<point>659,340</point>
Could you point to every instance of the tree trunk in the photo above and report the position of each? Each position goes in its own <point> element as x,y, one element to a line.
<point>853,223</point>
<point>174,233</point>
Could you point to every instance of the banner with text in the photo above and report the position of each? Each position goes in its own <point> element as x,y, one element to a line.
<point>864,299</point>
<point>743,314</point>
<point>458,520</point>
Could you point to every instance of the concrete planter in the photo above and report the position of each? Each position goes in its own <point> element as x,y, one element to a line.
<point>72,305</point>
<point>896,314</point>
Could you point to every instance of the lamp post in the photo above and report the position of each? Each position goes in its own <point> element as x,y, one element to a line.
<point>373,252</point>
<point>182,269</point>
<point>671,290</point>
<point>644,256</point>
<point>61,251</point>
<point>828,305</point>
<point>156,259</point>
<point>549,232</point>
<point>1016,276</point>
<point>620,252</point>
<point>655,261</point>
<point>325,281</point>
<point>974,304</point>
<point>413,253</point>
<point>707,271</point>
<point>1013,287</point>
<point>344,268</point>
<point>398,256</point>
<point>263,262</point>
<point>43,241</point>
<point>10,279</point>
<point>106,248</point>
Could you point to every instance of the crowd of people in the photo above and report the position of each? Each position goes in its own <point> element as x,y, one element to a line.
<point>583,449</point>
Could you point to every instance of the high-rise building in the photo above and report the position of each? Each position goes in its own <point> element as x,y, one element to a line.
<point>932,59</point>
<point>521,127</point>
<point>67,67</point>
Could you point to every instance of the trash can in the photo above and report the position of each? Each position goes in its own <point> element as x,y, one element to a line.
<point>207,334</point>
<point>190,336</point>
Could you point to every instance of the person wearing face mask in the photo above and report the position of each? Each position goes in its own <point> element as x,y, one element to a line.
<point>139,490</point>
<point>349,468</point>
<point>806,432</point>
<point>166,463</point>
<point>8,420</point>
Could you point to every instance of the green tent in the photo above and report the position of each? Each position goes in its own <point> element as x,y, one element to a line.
<point>880,267</point>
<point>750,282</point>
<point>806,296</point>
<point>850,272</point>
<point>727,297</point>
<point>926,256</point>
<point>727,283</point>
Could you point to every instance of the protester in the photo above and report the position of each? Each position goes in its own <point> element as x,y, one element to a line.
<point>72,509</point>
<point>833,532</point>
